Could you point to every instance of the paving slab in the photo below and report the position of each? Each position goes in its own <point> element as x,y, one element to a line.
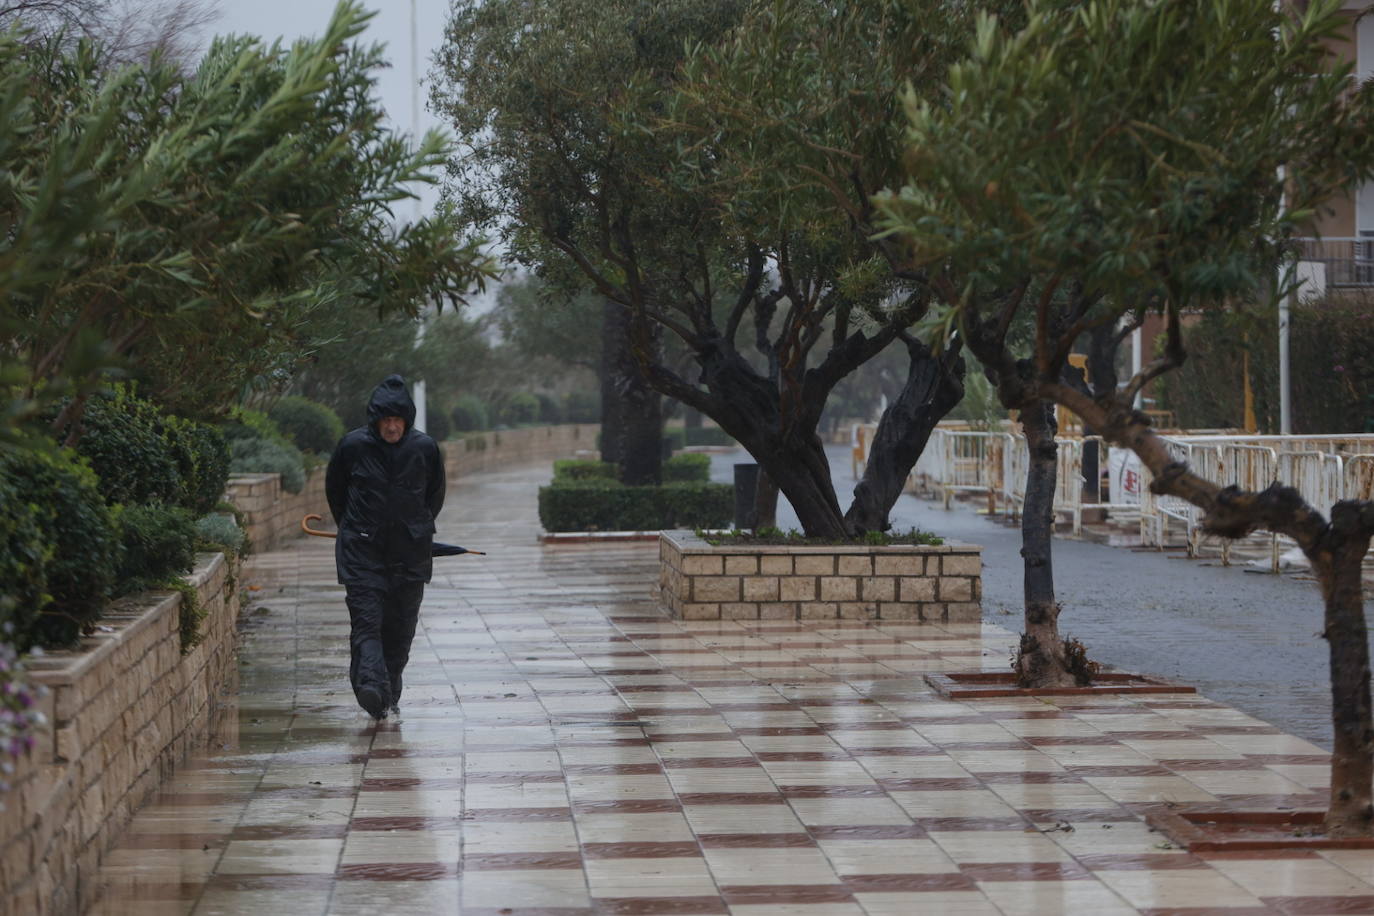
<point>566,749</point>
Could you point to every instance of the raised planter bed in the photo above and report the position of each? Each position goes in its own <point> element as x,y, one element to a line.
<point>938,584</point>
<point>970,685</point>
<point>1222,830</point>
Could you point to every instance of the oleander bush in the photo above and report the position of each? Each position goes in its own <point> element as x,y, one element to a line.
<point>310,425</point>
<point>599,504</point>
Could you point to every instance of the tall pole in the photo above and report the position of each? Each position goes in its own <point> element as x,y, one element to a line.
<point>1285,394</point>
<point>418,388</point>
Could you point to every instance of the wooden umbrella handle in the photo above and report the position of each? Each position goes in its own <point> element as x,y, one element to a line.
<point>305,526</point>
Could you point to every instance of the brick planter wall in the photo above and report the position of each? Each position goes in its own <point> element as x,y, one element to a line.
<point>700,582</point>
<point>123,709</point>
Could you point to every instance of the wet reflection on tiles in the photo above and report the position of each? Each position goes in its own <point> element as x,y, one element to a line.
<point>565,749</point>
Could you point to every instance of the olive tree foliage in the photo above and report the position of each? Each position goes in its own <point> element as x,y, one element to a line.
<point>192,224</point>
<point>1115,157</point>
<point>593,140</point>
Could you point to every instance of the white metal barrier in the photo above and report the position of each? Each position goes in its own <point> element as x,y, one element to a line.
<point>1325,469</point>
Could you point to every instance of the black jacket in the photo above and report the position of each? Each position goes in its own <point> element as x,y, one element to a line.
<point>385,497</point>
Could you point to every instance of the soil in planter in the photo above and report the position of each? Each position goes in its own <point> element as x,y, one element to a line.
<point>775,537</point>
<point>1205,830</point>
<point>970,685</point>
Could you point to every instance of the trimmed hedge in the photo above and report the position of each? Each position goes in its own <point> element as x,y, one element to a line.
<point>689,467</point>
<point>565,469</point>
<point>606,505</point>
<point>256,446</point>
<point>521,409</point>
<point>310,425</point>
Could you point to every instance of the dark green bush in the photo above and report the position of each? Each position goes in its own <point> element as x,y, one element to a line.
<point>687,467</point>
<point>310,425</point>
<point>521,409</point>
<point>24,556</point>
<point>577,469</point>
<point>582,407</point>
<point>676,437</point>
<point>80,534</point>
<point>202,457</point>
<point>469,414</point>
<point>550,411</point>
<point>159,544</point>
<point>606,505</point>
<point>125,440</point>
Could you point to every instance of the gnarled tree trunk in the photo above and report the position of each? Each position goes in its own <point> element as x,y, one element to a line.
<point>1350,811</point>
<point>1336,550</point>
<point>933,386</point>
<point>1040,662</point>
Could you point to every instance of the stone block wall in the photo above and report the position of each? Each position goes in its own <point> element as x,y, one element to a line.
<point>123,709</point>
<point>700,582</point>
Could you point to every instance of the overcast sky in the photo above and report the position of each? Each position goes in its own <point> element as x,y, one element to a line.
<point>292,19</point>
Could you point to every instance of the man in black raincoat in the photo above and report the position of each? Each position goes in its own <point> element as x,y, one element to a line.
<point>385,486</point>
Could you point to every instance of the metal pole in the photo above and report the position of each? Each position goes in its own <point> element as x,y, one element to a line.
<point>1285,395</point>
<point>1138,362</point>
<point>418,388</point>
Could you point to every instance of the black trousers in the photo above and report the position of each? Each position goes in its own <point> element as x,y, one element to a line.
<point>383,625</point>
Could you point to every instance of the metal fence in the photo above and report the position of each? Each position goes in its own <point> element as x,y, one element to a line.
<point>1324,469</point>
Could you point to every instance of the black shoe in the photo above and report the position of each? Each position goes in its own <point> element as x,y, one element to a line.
<point>372,700</point>
<point>395,710</point>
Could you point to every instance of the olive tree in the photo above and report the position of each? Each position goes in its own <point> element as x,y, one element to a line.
<point>1113,158</point>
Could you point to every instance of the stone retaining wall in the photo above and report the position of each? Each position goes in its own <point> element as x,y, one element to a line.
<point>124,708</point>
<point>271,515</point>
<point>700,582</point>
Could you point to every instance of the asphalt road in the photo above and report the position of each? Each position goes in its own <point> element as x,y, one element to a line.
<point>1246,639</point>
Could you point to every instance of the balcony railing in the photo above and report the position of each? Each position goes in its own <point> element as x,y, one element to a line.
<point>1344,262</point>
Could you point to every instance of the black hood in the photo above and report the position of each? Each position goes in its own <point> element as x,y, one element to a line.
<point>391,399</point>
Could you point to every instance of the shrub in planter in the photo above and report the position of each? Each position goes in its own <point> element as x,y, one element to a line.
<point>687,467</point>
<point>81,535</point>
<point>310,425</point>
<point>24,555</point>
<point>577,469</point>
<point>268,456</point>
<point>607,505</point>
<point>124,438</point>
<point>159,544</point>
<point>219,531</point>
<point>469,414</point>
<point>202,457</point>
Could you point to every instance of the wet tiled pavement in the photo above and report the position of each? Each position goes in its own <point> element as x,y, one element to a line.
<point>565,749</point>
